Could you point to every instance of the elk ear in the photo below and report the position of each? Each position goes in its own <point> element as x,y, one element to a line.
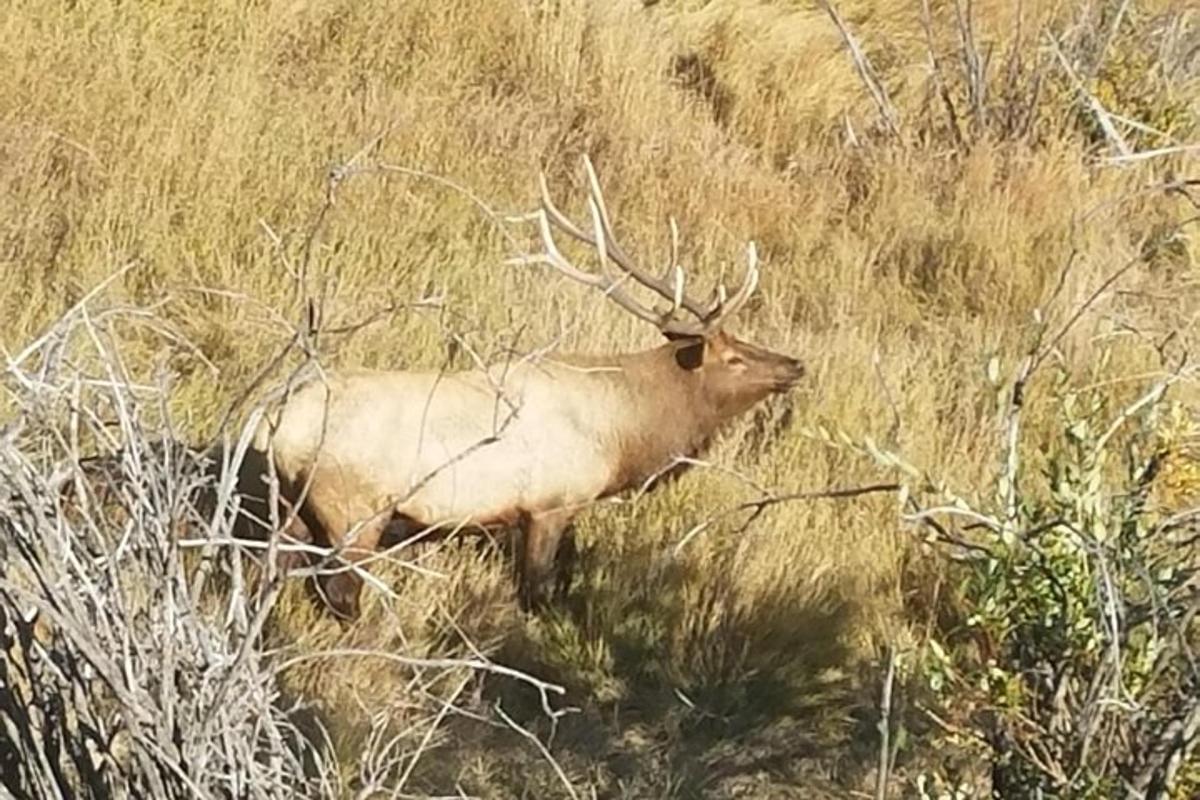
<point>689,354</point>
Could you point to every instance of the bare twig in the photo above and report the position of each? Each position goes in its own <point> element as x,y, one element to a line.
<point>879,95</point>
<point>939,77</point>
<point>760,504</point>
<point>885,729</point>
<point>545,751</point>
<point>1130,157</point>
<point>1097,109</point>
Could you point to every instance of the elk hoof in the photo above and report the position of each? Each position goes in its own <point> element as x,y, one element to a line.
<point>533,600</point>
<point>341,593</point>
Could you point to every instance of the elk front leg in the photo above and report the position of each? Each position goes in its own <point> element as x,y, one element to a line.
<point>357,534</point>
<point>541,534</point>
<point>294,536</point>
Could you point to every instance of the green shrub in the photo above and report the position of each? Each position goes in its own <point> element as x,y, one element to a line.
<point>1072,662</point>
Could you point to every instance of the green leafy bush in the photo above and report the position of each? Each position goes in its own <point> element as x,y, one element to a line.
<point>1071,666</point>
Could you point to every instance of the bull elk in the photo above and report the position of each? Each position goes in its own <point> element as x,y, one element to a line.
<point>525,445</point>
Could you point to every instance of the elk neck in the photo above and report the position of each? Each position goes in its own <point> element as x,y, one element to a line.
<point>654,411</point>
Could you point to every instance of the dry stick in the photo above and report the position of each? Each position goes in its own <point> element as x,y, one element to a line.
<point>1012,450</point>
<point>558,770</point>
<point>974,67</point>
<point>1142,126</point>
<point>886,110</point>
<point>1082,309</point>
<point>250,638</point>
<point>304,336</point>
<point>544,688</point>
<point>295,339</point>
<point>433,726</point>
<point>1098,110</point>
<point>145,499</point>
<point>91,295</point>
<point>1144,155</point>
<point>885,730</point>
<point>938,77</point>
<point>1034,97</point>
<point>1179,739</point>
<point>689,461</point>
<point>1029,364</point>
<point>325,553</point>
<point>756,507</point>
<point>382,313</point>
<point>894,430</point>
<point>942,534</point>
<point>1177,186</point>
<point>1037,354</point>
<point>1111,34</point>
<point>493,216</point>
<point>311,239</point>
<point>550,712</point>
<point>224,495</point>
<point>1013,71</point>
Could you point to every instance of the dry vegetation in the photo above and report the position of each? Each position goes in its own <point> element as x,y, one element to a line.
<point>258,164</point>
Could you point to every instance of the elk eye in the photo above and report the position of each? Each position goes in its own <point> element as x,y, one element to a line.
<point>734,361</point>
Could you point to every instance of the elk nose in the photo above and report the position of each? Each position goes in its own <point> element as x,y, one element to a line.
<point>793,372</point>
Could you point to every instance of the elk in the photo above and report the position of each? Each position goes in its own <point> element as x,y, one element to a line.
<point>526,445</point>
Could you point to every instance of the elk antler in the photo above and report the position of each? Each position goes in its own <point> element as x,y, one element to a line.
<point>709,317</point>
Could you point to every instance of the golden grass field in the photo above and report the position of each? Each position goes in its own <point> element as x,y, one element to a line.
<point>198,140</point>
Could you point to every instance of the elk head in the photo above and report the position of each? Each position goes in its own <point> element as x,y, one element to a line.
<point>732,375</point>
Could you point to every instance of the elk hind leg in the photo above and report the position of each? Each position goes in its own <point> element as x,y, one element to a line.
<point>564,563</point>
<point>539,557</point>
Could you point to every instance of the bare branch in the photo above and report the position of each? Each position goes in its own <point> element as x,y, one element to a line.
<point>883,103</point>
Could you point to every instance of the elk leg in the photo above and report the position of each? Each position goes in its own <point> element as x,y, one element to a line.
<point>341,592</point>
<point>564,563</point>
<point>296,532</point>
<point>340,587</point>
<point>540,534</point>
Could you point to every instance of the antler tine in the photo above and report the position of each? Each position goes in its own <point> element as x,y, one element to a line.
<point>597,212</point>
<point>725,309</point>
<point>554,258</point>
<point>677,300</point>
<point>662,288</point>
<point>604,228</point>
<point>671,288</point>
<point>560,219</point>
<point>674,240</point>
<point>673,258</point>
<point>602,240</point>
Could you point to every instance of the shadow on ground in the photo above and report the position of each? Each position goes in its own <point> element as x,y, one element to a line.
<point>684,688</point>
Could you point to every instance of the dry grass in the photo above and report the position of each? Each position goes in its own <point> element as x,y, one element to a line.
<point>187,137</point>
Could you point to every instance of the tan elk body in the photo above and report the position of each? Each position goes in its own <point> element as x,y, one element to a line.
<point>527,445</point>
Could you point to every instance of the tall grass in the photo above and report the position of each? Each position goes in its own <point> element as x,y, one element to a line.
<point>248,158</point>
